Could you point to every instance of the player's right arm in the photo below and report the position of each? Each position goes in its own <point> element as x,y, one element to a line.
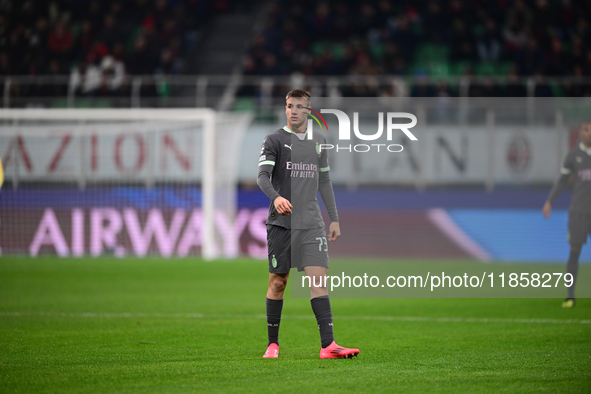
<point>327,194</point>
<point>561,183</point>
<point>267,161</point>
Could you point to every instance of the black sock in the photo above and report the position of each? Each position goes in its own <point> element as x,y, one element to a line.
<point>321,308</point>
<point>572,267</point>
<point>274,308</point>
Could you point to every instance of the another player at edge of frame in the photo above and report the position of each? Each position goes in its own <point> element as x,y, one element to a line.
<point>578,166</point>
<point>296,235</point>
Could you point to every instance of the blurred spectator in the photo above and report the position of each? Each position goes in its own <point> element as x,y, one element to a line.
<point>394,62</point>
<point>21,60</point>
<point>249,66</point>
<point>442,90</point>
<point>556,62</point>
<point>169,32</point>
<point>169,62</point>
<point>519,14</point>
<point>514,88</point>
<point>60,39</point>
<point>113,73</point>
<point>3,31</point>
<point>269,66</point>
<point>485,88</point>
<point>258,49</point>
<point>38,35</point>
<point>578,88</point>
<point>363,66</point>
<point>84,40</point>
<point>94,13</point>
<point>567,14</point>
<point>422,89</point>
<point>489,45</point>
<point>587,63</point>
<point>118,52</point>
<point>577,54</point>
<point>403,34</point>
<point>434,21</point>
<point>142,60</point>
<point>463,48</point>
<point>319,25</point>
<point>582,30</point>
<point>110,32</point>
<point>515,36</point>
<point>542,89</point>
<point>365,19</point>
<point>5,68</point>
<point>544,17</point>
<point>85,78</point>
<point>530,58</point>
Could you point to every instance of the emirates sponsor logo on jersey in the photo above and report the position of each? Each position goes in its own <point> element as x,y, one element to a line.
<point>301,166</point>
<point>302,170</point>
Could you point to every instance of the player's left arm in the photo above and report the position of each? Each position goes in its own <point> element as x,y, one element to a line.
<point>327,194</point>
<point>561,184</point>
<point>1,174</point>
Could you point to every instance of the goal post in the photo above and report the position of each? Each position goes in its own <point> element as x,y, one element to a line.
<point>57,146</point>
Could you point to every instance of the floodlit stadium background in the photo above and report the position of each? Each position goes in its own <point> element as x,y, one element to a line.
<point>150,314</point>
<point>464,195</point>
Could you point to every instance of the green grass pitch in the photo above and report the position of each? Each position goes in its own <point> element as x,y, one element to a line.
<point>154,325</point>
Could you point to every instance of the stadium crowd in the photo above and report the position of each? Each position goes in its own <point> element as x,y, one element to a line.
<point>101,42</point>
<point>98,42</point>
<point>432,38</point>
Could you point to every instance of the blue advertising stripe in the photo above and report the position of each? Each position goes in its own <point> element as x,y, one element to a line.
<point>405,198</point>
<point>366,199</point>
<point>138,197</point>
<point>519,234</point>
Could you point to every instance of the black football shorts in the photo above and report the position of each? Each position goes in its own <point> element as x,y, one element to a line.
<point>579,227</point>
<point>296,248</point>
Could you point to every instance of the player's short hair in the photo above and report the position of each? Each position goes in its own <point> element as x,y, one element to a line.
<point>298,93</point>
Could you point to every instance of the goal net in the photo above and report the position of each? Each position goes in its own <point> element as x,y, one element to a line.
<point>123,182</point>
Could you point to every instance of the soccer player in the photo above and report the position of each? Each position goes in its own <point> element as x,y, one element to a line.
<point>578,166</point>
<point>296,235</point>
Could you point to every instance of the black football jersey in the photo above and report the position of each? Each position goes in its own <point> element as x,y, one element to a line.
<point>296,162</point>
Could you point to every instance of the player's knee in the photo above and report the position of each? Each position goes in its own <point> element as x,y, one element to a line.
<point>321,287</point>
<point>575,247</point>
<point>278,285</point>
<point>318,291</point>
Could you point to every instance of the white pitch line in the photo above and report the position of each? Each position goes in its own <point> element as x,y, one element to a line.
<point>418,319</point>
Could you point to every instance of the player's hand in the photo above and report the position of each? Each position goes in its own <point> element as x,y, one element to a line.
<point>334,231</point>
<point>282,206</point>
<point>547,209</point>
